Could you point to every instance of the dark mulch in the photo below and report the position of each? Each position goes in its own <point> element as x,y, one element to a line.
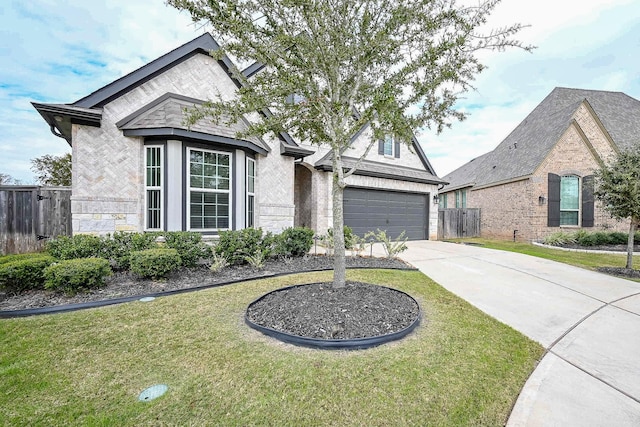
<point>359,310</point>
<point>125,284</point>
<point>619,271</point>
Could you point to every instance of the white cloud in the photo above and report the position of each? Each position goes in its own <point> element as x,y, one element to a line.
<point>58,52</point>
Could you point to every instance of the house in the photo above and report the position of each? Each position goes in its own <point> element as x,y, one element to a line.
<point>137,167</point>
<point>539,179</point>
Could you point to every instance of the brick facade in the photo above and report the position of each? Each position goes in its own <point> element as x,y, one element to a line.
<point>522,203</point>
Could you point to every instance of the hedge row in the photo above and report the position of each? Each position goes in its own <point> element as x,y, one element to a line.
<point>82,262</point>
<point>586,238</point>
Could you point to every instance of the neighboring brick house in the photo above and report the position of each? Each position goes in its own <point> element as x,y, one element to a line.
<point>539,180</point>
<point>137,167</point>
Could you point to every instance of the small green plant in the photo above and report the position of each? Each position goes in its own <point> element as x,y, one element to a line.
<point>296,241</point>
<point>24,272</point>
<point>78,246</point>
<point>218,263</point>
<point>154,263</point>
<point>559,238</point>
<point>256,260</point>
<point>189,246</point>
<point>358,245</point>
<point>235,245</point>
<point>74,275</point>
<point>328,240</point>
<point>391,247</point>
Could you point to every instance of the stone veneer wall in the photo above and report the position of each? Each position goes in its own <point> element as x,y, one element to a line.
<point>274,187</point>
<point>108,169</point>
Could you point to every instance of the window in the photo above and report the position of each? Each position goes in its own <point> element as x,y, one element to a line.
<point>154,197</point>
<point>251,195</point>
<point>569,200</point>
<point>389,147</point>
<point>209,184</point>
<point>443,201</point>
<point>461,199</point>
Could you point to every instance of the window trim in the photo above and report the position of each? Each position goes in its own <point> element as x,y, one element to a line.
<point>189,189</point>
<point>579,210</point>
<point>159,188</point>
<point>250,194</point>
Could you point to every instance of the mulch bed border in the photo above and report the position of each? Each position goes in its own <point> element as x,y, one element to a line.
<point>334,344</point>
<point>7,314</point>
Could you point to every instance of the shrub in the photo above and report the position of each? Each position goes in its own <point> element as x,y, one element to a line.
<point>295,241</point>
<point>189,246</point>
<point>238,244</point>
<point>74,275</point>
<point>78,246</point>
<point>118,248</point>
<point>636,238</point>
<point>584,238</point>
<point>559,238</point>
<point>391,247</point>
<point>24,272</point>
<point>602,238</point>
<point>618,238</point>
<point>154,263</point>
<point>19,257</point>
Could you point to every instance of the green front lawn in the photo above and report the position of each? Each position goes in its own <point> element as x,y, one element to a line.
<point>460,367</point>
<point>589,260</point>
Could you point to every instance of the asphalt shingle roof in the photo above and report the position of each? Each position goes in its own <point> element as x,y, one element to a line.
<point>522,151</point>
<point>170,111</point>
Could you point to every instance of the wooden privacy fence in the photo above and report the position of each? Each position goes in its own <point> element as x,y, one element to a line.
<point>456,223</point>
<point>30,215</point>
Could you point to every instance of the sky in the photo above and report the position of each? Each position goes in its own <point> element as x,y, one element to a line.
<point>58,52</point>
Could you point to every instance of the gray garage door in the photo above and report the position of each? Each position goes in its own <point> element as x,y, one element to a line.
<point>366,210</point>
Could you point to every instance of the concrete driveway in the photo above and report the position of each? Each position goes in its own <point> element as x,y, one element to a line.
<point>588,322</point>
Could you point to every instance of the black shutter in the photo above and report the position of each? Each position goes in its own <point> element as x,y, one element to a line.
<point>396,150</point>
<point>553,212</point>
<point>381,147</point>
<point>587,201</point>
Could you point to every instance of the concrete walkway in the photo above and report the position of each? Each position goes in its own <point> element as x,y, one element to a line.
<point>588,322</point>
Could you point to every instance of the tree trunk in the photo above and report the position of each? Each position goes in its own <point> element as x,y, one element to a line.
<point>632,232</point>
<point>337,191</point>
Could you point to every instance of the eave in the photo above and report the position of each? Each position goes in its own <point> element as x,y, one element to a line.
<point>176,133</point>
<point>294,151</point>
<point>61,117</point>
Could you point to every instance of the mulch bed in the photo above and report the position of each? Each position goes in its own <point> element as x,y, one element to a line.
<point>619,271</point>
<point>359,310</point>
<point>125,284</point>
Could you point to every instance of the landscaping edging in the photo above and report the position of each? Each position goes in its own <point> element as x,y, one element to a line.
<point>7,314</point>
<point>333,344</point>
<point>594,251</point>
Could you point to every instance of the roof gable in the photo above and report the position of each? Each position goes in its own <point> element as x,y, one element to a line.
<point>170,112</point>
<point>202,44</point>
<point>522,151</point>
